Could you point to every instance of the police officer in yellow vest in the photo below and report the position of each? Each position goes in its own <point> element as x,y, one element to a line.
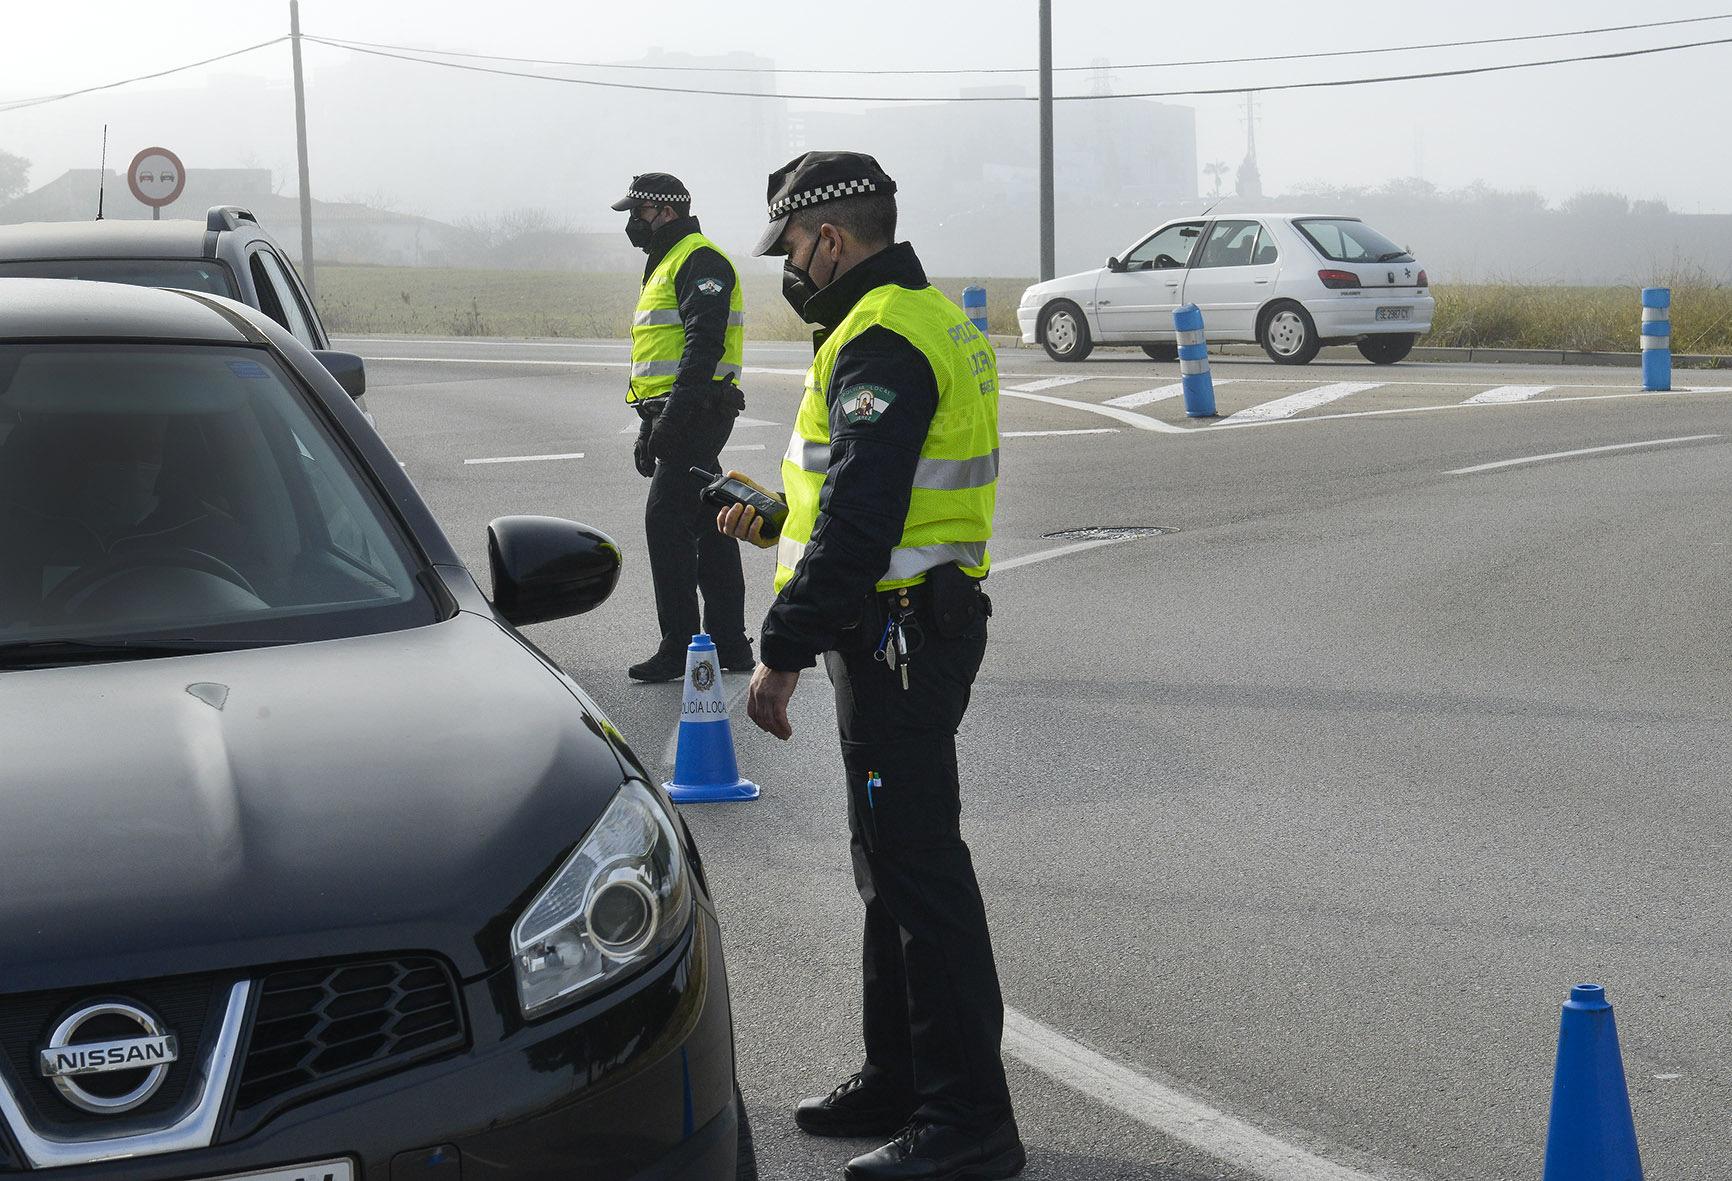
<point>890,480</point>
<point>687,338</point>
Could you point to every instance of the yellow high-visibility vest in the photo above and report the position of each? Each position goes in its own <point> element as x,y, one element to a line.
<point>658,337</point>
<point>956,481</point>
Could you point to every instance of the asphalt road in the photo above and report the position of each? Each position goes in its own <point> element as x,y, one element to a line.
<point>1309,811</point>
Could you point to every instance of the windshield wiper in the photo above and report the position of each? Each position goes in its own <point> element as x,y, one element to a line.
<point>1392,255</point>
<point>47,653</point>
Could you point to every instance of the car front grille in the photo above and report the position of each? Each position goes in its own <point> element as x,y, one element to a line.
<point>332,1025</point>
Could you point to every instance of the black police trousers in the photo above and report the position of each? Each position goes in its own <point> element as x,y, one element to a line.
<point>686,552</point>
<point>933,1015</point>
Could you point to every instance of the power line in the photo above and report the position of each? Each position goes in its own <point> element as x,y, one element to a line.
<point>20,104</point>
<point>949,71</point>
<point>898,98</point>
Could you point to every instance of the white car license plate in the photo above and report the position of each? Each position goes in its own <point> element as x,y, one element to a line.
<point>1394,313</point>
<point>327,1170</point>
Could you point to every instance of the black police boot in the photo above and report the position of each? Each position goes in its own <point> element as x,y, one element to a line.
<point>736,655</point>
<point>939,1152</point>
<point>668,664</point>
<point>853,1109</point>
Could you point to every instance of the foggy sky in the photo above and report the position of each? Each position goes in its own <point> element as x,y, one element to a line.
<point>1644,127</point>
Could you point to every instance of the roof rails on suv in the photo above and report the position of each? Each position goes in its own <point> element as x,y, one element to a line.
<point>227,217</point>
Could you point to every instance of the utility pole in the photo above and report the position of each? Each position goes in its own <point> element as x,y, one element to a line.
<point>301,150</point>
<point>1048,250</point>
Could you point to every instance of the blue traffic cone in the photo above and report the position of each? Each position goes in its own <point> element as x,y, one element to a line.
<point>704,767</point>
<point>1592,1136</point>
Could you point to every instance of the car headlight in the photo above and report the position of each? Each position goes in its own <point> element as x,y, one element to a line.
<point>617,903</point>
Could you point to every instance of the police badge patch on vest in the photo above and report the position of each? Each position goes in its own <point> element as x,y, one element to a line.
<point>709,286</point>
<point>866,403</point>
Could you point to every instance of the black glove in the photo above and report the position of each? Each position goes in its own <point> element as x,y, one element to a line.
<point>672,428</point>
<point>640,452</point>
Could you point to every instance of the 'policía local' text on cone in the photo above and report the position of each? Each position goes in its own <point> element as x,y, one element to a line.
<point>704,767</point>
<point>1592,1136</point>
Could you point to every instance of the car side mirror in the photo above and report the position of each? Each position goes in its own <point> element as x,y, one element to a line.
<point>1114,265</point>
<point>349,370</point>
<point>547,568</point>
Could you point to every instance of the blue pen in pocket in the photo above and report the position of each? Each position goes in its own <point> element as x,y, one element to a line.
<point>873,782</point>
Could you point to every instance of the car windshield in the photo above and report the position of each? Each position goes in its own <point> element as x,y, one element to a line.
<point>193,274</point>
<point>1341,239</point>
<point>187,496</point>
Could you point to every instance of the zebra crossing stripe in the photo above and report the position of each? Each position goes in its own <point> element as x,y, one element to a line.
<point>1158,394</point>
<point>1303,400</point>
<point>1508,393</point>
<point>1050,383</point>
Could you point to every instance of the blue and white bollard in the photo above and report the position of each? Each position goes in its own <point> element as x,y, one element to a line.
<point>974,305</point>
<point>1194,362</point>
<point>1656,338</point>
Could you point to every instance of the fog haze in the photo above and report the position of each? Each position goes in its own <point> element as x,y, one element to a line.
<point>458,146</point>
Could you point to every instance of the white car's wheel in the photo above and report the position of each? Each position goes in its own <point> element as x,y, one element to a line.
<point>1064,332</point>
<point>1288,334</point>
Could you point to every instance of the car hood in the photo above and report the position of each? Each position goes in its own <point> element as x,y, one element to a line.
<point>402,791</point>
<point>1083,282</point>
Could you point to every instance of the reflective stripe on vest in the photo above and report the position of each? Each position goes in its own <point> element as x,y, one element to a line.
<point>658,336</point>
<point>942,475</point>
<point>955,485</point>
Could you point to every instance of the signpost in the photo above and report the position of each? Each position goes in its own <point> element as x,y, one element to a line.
<point>156,178</point>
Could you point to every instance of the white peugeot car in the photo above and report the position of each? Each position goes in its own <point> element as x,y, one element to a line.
<point>1289,282</point>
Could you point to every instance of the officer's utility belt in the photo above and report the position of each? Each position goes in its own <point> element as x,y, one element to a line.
<point>721,396</point>
<point>949,601</point>
<point>946,605</point>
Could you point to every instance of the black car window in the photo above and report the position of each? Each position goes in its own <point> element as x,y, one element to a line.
<point>283,302</point>
<point>1230,244</point>
<point>188,491</point>
<point>194,274</point>
<point>1340,239</point>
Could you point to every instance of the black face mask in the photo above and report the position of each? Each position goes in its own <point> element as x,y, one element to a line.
<point>638,232</point>
<point>798,287</point>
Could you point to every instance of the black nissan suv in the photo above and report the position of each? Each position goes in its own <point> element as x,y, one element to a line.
<point>311,865</point>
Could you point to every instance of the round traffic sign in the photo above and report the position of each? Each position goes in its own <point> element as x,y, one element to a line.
<point>156,177</point>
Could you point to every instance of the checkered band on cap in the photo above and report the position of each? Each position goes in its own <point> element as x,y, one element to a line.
<point>846,188</point>
<point>669,198</point>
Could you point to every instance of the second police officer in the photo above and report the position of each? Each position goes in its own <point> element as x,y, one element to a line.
<point>891,480</point>
<point>687,342</point>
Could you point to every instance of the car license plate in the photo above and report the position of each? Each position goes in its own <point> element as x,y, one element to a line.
<point>1394,313</point>
<point>327,1170</point>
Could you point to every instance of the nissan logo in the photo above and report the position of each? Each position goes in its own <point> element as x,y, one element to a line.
<point>108,1058</point>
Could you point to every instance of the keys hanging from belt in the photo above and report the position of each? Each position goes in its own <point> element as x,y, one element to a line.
<point>900,640</point>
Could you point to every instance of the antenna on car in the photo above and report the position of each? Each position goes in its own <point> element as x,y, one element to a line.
<point>1211,208</point>
<point>102,174</point>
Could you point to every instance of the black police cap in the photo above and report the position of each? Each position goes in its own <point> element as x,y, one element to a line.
<point>815,178</point>
<point>662,188</point>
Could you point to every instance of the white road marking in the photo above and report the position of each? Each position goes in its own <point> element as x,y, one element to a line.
<point>1170,1112</point>
<point>1486,467</point>
<point>1158,394</point>
<point>1141,421</point>
<point>1049,383</point>
<point>744,447</point>
<point>527,458</point>
<point>1668,1076</point>
<point>1048,554</point>
<point>1093,430</point>
<point>1292,404</point>
<point>507,361</point>
<point>1508,393</point>
<point>1237,426</point>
